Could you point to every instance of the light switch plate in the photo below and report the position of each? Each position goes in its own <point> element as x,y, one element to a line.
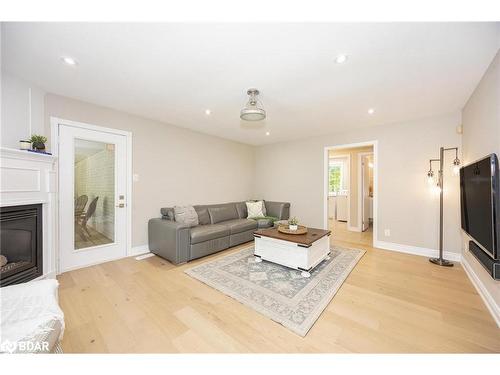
<point>135,177</point>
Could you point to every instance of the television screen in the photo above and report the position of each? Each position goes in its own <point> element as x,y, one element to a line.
<point>478,197</point>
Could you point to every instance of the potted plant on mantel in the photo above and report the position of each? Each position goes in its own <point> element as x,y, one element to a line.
<point>38,142</point>
<point>293,223</point>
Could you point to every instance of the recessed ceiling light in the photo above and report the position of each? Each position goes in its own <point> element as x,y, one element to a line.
<point>371,111</point>
<point>208,112</point>
<point>268,133</point>
<point>69,60</point>
<point>340,59</point>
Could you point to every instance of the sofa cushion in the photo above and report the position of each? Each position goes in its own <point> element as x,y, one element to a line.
<point>222,213</point>
<point>203,216</point>
<point>204,233</point>
<point>241,207</point>
<point>186,215</point>
<point>240,225</point>
<point>264,223</point>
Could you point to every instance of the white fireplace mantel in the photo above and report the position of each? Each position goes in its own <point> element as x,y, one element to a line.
<point>30,178</point>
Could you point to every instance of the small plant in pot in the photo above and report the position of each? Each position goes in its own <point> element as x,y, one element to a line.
<point>38,142</point>
<point>293,223</point>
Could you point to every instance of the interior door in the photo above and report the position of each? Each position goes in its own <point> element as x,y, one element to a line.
<point>365,173</point>
<point>92,194</point>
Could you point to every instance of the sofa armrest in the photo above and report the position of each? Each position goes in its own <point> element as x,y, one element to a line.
<point>169,239</point>
<point>281,210</point>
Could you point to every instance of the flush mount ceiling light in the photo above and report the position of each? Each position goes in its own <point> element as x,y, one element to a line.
<point>69,60</point>
<point>340,59</point>
<point>253,110</point>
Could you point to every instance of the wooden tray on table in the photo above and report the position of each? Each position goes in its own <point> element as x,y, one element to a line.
<point>300,230</point>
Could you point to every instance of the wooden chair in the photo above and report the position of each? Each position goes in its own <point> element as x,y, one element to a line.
<point>84,218</point>
<point>80,204</point>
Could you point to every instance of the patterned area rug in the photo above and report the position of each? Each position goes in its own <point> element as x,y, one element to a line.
<point>278,292</point>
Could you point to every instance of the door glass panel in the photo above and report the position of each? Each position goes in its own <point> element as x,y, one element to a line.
<point>94,193</point>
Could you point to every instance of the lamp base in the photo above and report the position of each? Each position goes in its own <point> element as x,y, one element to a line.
<point>441,262</point>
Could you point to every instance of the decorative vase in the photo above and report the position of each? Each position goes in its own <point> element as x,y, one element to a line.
<point>24,145</point>
<point>39,146</point>
<point>293,227</point>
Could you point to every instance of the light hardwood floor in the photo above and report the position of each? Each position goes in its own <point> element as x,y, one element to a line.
<point>339,228</point>
<point>391,302</point>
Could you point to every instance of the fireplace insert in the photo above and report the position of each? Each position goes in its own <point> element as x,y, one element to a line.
<point>20,243</point>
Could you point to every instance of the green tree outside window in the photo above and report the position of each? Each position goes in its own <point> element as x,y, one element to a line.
<point>335,178</point>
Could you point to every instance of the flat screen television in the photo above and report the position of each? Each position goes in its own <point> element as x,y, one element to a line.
<point>479,203</point>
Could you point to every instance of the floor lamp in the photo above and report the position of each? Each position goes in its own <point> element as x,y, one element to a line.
<point>430,175</point>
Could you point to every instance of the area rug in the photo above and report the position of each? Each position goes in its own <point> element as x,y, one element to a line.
<point>278,292</point>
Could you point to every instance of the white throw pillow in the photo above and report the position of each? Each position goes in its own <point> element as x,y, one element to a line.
<point>255,209</point>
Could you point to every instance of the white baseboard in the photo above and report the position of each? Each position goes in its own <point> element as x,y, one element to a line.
<point>144,256</point>
<point>48,275</point>
<point>138,250</point>
<point>415,250</point>
<point>489,301</point>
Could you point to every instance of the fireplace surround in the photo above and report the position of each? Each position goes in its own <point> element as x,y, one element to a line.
<point>28,182</point>
<point>21,243</point>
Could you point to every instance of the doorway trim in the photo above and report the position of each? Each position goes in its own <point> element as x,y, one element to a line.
<point>55,123</point>
<point>374,144</point>
<point>360,188</point>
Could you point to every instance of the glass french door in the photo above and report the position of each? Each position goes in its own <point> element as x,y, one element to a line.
<point>92,193</point>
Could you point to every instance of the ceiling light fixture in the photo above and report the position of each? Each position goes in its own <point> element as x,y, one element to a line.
<point>371,111</point>
<point>69,60</point>
<point>268,133</point>
<point>253,110</point>
<point>340,59</point>
<point>208,112</point>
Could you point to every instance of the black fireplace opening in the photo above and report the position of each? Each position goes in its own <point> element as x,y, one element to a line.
<point>21,243</point>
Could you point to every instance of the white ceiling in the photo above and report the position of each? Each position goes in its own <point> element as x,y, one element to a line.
<point>173,72</point>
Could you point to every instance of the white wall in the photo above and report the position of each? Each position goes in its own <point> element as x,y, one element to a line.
<point>179,166</point>
<point>17,110</point>
<point>406,205</point>
<point>481,136</point>
<point>175,165</point>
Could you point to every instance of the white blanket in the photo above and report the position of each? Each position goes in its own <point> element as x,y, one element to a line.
<point>27,309</point>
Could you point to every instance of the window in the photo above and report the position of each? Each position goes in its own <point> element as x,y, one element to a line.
<point>336,176</point>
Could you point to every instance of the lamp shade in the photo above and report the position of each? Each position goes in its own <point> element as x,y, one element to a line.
<point>253,110</point>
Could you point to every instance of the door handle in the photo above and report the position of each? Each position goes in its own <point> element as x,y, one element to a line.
<point>120,205</point>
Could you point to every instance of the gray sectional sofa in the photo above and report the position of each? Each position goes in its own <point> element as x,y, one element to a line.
<point>220,226</point>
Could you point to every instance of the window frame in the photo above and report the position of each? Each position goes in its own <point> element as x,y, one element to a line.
<point>334,162</point>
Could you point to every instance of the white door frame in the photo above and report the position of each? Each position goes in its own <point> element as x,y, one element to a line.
<point>54,129</point>
<point>374,144</point>
<point>360,188</point>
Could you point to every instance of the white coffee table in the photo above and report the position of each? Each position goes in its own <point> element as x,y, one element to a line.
<point>298,251</point>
